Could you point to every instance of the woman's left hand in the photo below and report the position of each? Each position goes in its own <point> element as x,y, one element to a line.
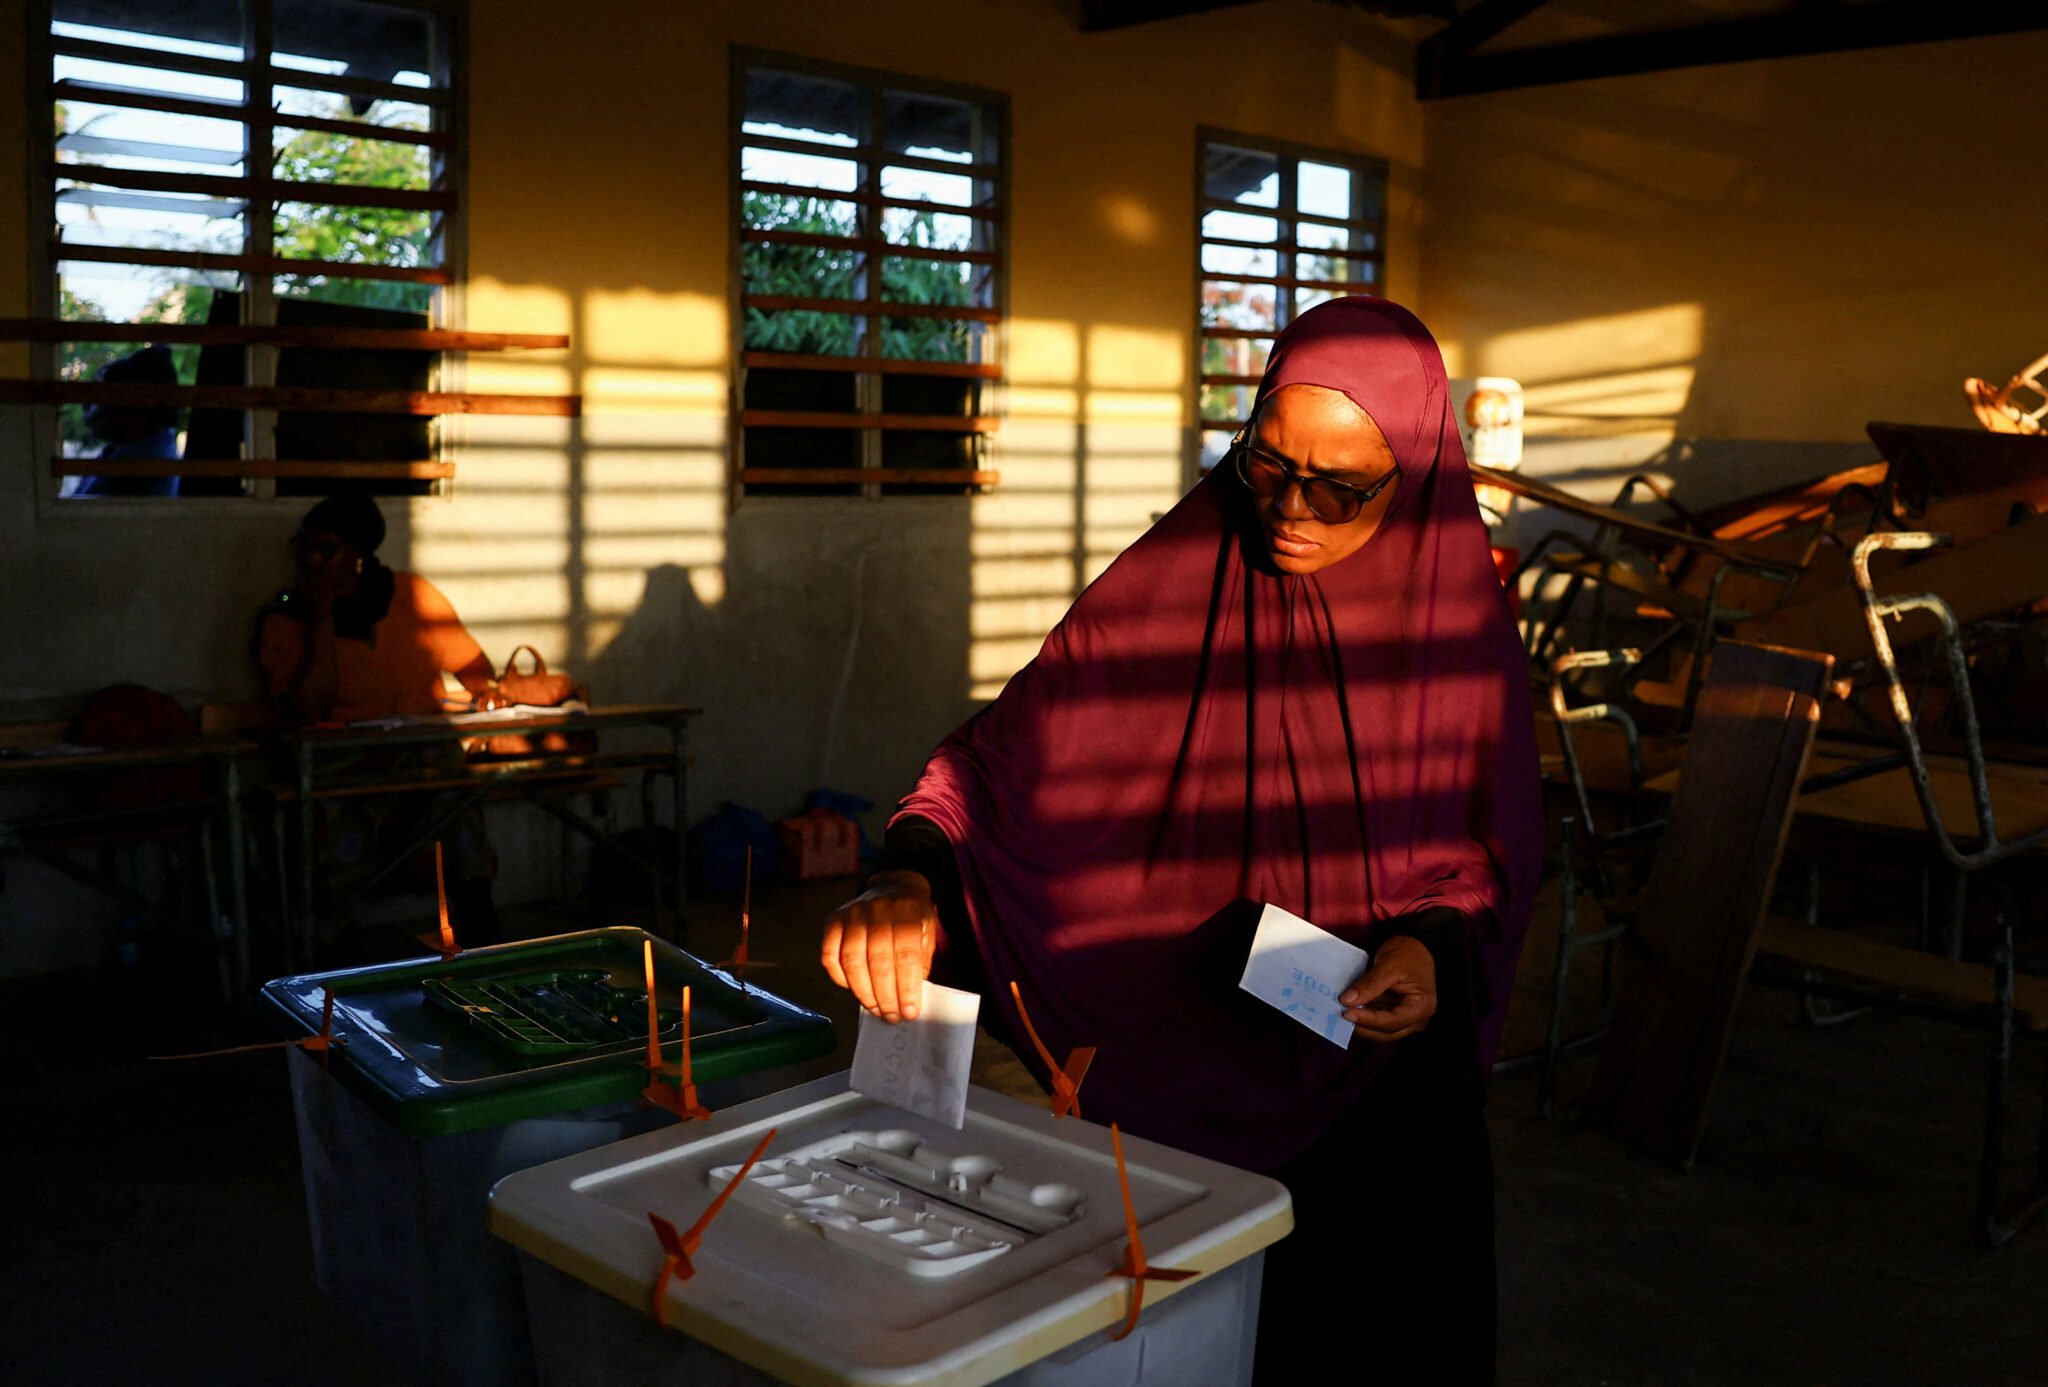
<point>1396,996</point>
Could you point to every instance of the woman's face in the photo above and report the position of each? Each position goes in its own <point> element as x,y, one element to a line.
<point>328,561</point>
<point>1317,431</point>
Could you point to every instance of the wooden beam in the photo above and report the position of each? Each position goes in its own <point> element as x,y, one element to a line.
<point>878,308</point>
<point>296,399</point>
<point>863,246</point>
<point>213,108</point>
<point>249,264</point>
<point>341,84</point>
<point>861,476</point>
<point>249,335</point>
<point>1802,33</point>
<point>250,467</point>
<point>880,365</point>
<point>1469,30</point>
<point>1341,286</point>
<point>1099,15</point>
<point>981,211</point>
<point>917,423</point>
<point>245,189</point>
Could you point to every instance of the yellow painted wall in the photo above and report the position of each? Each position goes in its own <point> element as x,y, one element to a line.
<point>830,641</point>
<point>1748,261</point>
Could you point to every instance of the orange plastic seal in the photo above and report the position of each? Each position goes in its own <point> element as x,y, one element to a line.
<point>442,943</point>
<point>1133,1264</point>
<point>323,1042</point>
<point>1066,1080</point>
<point>739,961</point>
<point>678,1248</point>
<point>682,1099</point>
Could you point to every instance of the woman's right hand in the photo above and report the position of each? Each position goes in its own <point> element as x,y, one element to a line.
<point>879,944</point>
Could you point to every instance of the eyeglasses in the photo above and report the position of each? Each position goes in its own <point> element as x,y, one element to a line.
<point>1329,500</point>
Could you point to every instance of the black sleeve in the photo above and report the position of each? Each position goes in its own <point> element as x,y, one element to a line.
<point>916,844</point>
<point>1441,928</point>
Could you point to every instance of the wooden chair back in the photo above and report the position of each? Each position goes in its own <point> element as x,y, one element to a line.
<point>1684,962</point>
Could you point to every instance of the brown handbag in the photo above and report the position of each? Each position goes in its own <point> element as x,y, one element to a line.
<point>540,688</point>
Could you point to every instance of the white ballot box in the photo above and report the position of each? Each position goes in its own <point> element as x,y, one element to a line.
<point>870,1245</point>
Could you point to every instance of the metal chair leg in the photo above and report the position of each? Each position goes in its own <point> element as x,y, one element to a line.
<point>1990,1227</point>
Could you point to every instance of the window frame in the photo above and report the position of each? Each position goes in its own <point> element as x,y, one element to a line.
<point>995,105</point>
<point>1290,155</point>
<point>450,105</point>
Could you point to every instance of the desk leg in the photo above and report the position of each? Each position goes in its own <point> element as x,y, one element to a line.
<point>238,880</point>
<point>305,927</point>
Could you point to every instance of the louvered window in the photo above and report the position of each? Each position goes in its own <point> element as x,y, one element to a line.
<point>1281,229</point>
<point>871,290</point>
<point>255,197</point>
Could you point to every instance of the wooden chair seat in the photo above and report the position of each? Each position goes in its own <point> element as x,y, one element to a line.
<point>1900,974</point>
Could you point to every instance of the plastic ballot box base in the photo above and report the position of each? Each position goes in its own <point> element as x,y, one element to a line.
<point>870,1245</point>
<point>446,1075</point>
<point>1203,1337</point>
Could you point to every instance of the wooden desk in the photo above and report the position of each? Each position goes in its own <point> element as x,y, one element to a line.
<point>1886,802</point>
<point>46,836</point>
<point>314,752</point>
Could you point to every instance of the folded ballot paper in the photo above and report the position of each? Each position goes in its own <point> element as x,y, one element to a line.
<point>1302,970</point>
<point>920,1066</point>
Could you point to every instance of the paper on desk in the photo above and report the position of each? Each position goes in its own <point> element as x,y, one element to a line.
<point>1303,970</point>
<point>511,712</point>
<point>920,1065</point>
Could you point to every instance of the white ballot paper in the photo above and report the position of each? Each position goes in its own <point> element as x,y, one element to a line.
<point>920,1065</point>
<point>1302,970</point>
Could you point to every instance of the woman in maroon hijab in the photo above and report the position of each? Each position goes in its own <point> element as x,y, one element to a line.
<point>1302,686</point>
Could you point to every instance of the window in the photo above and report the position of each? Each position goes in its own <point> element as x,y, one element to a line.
<point>237,189</point>
<point>1281,229</point>
<point>870,286</point>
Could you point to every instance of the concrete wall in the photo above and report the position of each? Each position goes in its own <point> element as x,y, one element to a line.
<point>831,642</point>
<point>1729,270</point>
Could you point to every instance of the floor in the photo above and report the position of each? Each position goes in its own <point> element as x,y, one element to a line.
<point>156,1228</point>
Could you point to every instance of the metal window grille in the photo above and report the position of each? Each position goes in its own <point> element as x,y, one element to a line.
<point>232,172</point>
<point>1281,228</point>
<point>870,281</point>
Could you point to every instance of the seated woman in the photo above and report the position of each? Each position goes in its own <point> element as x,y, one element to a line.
<point>355,640</point>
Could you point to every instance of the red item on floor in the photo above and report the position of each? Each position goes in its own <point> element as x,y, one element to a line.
<point>819,844</point>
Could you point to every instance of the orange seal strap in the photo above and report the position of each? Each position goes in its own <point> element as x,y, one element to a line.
<point>675,1264</point>
<point>678,1248</point>
<point>443,943</point>
<point>322,1042</point>
<point>682,1100</point>
<point>740,962</point>
<point>1066,1080</point>
<point>653,1009</point>
<point>1134,1265</point>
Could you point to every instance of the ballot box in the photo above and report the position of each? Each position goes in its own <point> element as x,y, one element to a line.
<point>870,1245</point>
<point>445,1074</point>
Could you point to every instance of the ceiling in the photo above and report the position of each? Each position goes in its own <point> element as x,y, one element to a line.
<point>1467,47</point>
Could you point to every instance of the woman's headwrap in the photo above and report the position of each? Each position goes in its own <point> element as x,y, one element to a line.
<point>1202,734</point>
<point>352,515</point>
<point>356,519</point>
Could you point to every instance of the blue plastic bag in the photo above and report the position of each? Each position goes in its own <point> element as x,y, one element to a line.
<point>718,848</point>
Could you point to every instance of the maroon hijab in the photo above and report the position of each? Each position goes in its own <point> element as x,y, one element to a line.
<point>1202,734</point>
